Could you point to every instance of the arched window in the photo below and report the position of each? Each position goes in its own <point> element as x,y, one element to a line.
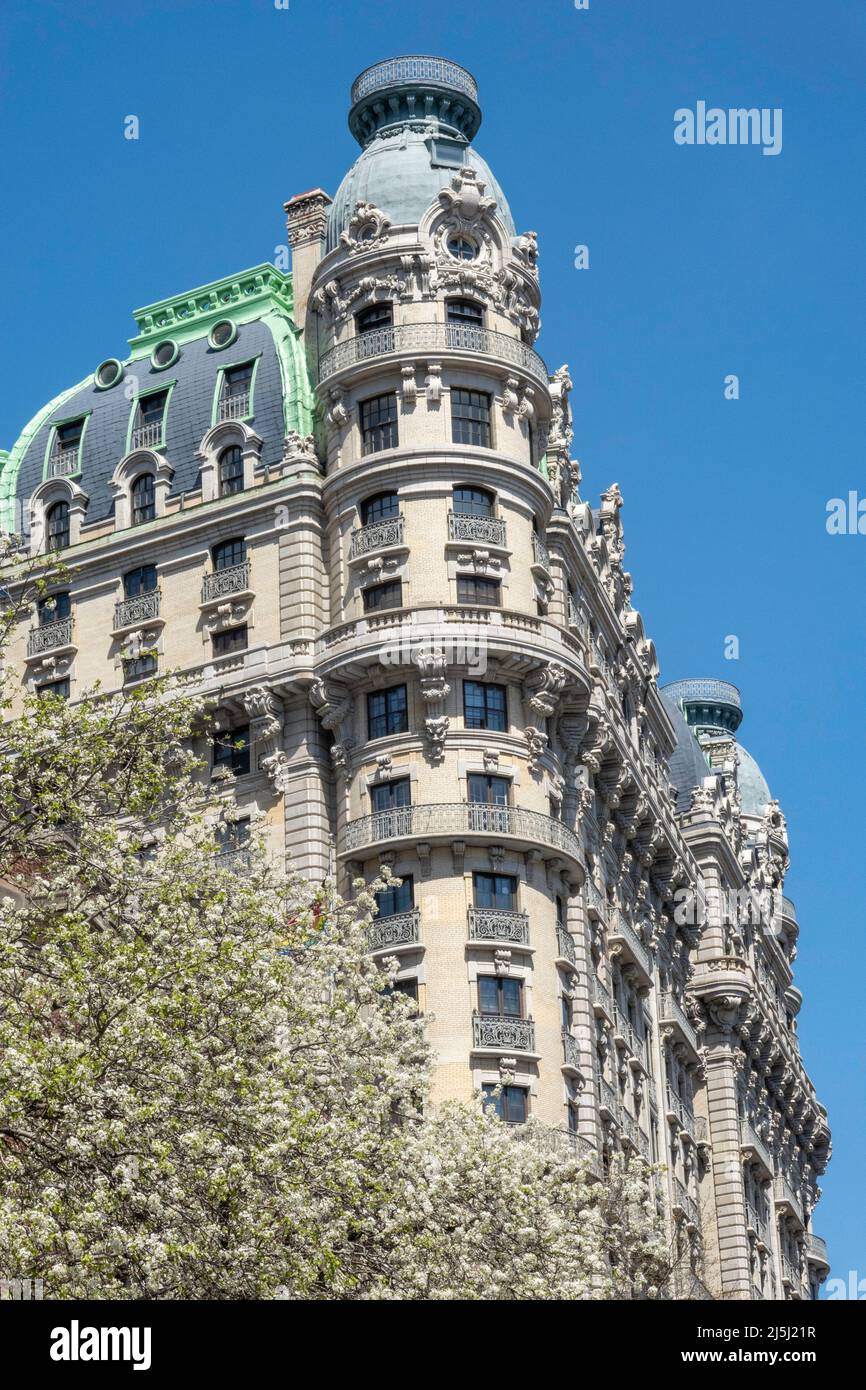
<point>382,507</point>
<point>473,501</point>
<point>143,499</point>
<point>57,526</point>
<point>229,553</point>
<point>231,470</point>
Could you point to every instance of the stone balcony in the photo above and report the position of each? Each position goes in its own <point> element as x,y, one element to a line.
<point>680,1112</point>
<point>626,1035</point>
<point>467,529</point>
<point>685,1203</point>
<point>621,933</point>
<point>672,1014</point>
<point>133,612</point>
<point>50,637</point>
<point>398,932</point>
<point>608,1101</point>
<point>601,999</point>
<point>596,902</point>
<point>571,1054</point>
<point>816,1251</point>
<point>565,948</point>
<point>498,924</point>
<point>540,553</point>
<point>787,1199</point>
<point>754,1147</point>
<point>379,535</point>
<point>489,1031</point>
<point>444,821</point>
<point>433,340</point>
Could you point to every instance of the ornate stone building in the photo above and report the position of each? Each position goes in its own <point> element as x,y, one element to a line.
<point>343,502</point>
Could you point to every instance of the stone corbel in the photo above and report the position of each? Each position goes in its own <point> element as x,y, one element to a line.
<point>265,711</point>
<point>433,383</point>
<point>337,415</point>
<point>333,704</point>
<point>422,849</point>
<point>408,387</point>
<point>458,854</point>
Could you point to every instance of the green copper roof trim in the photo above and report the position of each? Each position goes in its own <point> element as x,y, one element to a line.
<point>248,295</point>
<point>299,400</point>
<point>11,462</point>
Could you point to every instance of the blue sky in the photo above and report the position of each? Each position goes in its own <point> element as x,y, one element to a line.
<point>704,261</point>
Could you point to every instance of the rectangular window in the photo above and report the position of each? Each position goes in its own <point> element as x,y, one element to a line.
<point>489,791</point>
<point>500,996</point>
<point>509,1104</point>
<point>470,417</point>
<point>54,608</point>
<point>473,501</point>
<point>232,835</point>
<point>229,553</point>
<point>464,311</point>
<point>232,750</point>
<point>409,987</point>
<point>65,450</point>
<point>149,417</point>
<point>497,891</point>
<point>138,667</point>
<point>59,688</point>
<point>387,795</point>
<point>389,595</point>
<point>484,706</point>
<point>379,423</point>
<point>139,581</point>
<point>236,394</point>
<point>377,316</point>
<point>393,900</point>
<point>387,712</point>
<point>234,639</point>
<point>484,593</point>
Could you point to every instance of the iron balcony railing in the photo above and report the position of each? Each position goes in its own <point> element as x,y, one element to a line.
<point>540,552</point>
<point>505,1034</point>
<point>432,338</point>
<point>233,580</point>
<point>376,536</point>
<point>563,1141</point>
<point>636,1044</point>
<point>601,997</point>
<point>785,1194</point>
<point>63,462</point>
<point>417,68</point>
<point>402,929</point>
<point>476,530</point>
<point>686,1203</point>
<point>681,1109</point>
<point>570,1052</point>
<point>595,899</point>
<point>236,860</point>
<point>565,946</point>
<point>460,818</point>
<point>498,924</point>
<point>50,636</point>
<point>672,1011</point>
<point>147,435</point>
<point>140,609</point>
<point>621,931</point>
<point>234,407</point>
<point>608,1099</point>
<point>751,1138</point>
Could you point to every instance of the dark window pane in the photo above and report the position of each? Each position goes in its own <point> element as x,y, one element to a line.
<point>512,997</point>
<point>407,987</point>
<point>152,408</point>
<point>232,750</point>
<point>231,471</point>
<point>495,890</point>
<point>231,835</point>
<point>484,706</point>
<point>380,508</point>
<point>54,608</point>
<point>387,712</point>
<point>136,668</point>
<point>237,380</point>
<point>377,316</point>
<point>393,900</point>
<point>488,994</point>
<point>139,581</point>
<point>388,794</point>
<point>57,522</point>
<point>462,248</point>
<point>59,688</point>
<point>379,423</point>
<point>490,791</point>
<point>472,588</point>
<point>68,436</point>
<point>473,501</point>
<point>470,417</point>
<point>464,311</point>
<point>388,595</point>
<point>143,497</point>
<point>234,639</point>
<point>229,553</point>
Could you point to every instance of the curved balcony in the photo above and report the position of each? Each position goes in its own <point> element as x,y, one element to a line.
<point>816,1250</point>
<point>464,527</point>
<point>503,1034</point>
<point>432,339</point>
<point>525,829</point>
<point>417,67</point>
<point>395,933</point>
<point>498,924</point>
<point>379,535</point>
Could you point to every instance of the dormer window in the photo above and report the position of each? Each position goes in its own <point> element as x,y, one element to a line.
<point>231,471</point>
<point>65,451</point>
<point>149,420</point>
<point>143,498</point>
<point>57,526</point>
<point>236,392</point>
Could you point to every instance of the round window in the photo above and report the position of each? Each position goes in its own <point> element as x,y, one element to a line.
<point>164,354</point>
<point>108,373</point>
<point>223,333</point>
<point>462,248</point>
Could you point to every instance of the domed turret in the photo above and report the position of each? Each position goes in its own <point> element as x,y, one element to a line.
<point>706,711</point>
<point>415,119</point>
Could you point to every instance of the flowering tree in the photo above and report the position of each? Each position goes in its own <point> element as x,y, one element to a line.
<point>207,1089</point>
